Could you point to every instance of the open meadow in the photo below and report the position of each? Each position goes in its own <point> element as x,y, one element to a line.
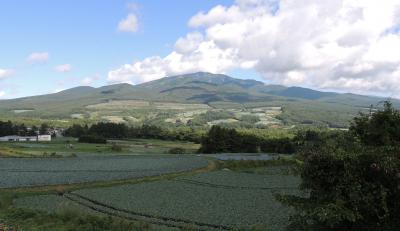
<point>70,147</point>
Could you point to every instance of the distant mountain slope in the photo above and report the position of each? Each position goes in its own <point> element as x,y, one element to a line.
<point>303,93</point>
<point>299,105</point>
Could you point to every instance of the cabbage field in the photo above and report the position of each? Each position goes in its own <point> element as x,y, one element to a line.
<point>215,200</point>
<point>221,199</point>
<point>240,180</point>
<point>23,172</point>
<point>50,203</point>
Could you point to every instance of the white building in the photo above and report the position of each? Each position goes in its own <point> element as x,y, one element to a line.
<point>26,138</point>
<point>44,138</point>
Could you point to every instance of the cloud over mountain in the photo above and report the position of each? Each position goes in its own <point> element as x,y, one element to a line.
<point>338,44</point>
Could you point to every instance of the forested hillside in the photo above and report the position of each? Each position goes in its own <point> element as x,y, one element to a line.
<point>186,100</point>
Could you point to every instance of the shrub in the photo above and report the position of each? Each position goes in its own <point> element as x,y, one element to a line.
<point>352,178</point>
<point>176,151</point>
<point>116,148</point>
<point>351,192</point>
<point>379,128</point>
<point>282,145</point>
<point>92,139</point>
<point>60,190</point>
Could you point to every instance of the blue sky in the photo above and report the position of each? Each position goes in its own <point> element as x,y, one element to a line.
<point>347,46</point>
<point>84,34</point>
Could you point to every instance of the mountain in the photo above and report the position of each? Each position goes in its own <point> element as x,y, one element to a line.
<point>171,96</point>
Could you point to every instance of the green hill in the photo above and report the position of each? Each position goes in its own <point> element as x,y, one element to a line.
<point>193,98</point>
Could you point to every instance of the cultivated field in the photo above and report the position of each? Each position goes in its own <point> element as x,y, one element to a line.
<point>143,183</point>
<point>24,172</point>
<point>138,104</point>
<point>215,200</point>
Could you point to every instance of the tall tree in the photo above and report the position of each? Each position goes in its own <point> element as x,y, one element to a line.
<point>378,128</point>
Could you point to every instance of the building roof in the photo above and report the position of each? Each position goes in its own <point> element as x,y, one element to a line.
<point>18,137</point>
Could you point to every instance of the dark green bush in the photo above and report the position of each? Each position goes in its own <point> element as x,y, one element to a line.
<point>92,139</point>
<point>352,178</point>
<point>176,151</point>
<point>378,128</point>
<point>282,145</point>
<point>116,148</point>
<point>351,192</point>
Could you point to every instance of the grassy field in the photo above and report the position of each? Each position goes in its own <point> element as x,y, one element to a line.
<point>68,147</point>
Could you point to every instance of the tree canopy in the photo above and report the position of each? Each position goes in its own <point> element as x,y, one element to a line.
<point>378,128</point>
<point>352,180</point>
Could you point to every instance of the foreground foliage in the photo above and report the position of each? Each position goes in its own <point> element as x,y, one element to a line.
<point>378,128</point>
<point>64,219</point>
<point>352,192</point>
<point>353,179</point>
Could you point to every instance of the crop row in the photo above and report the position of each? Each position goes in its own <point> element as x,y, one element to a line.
<point>228,207</point>
<point>127,214</point>
<point>244,180</point>
<point>22,172</point>
<point>221,199</point>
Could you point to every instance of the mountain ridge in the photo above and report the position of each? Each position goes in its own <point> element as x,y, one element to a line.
<point>218,91</point>
<point>273,89</point>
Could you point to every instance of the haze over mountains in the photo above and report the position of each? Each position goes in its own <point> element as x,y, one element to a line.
<point>299,105</point>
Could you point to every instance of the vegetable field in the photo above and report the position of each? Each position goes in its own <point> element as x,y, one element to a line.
<point>51,204</point>
<point>221,199</point>
<point>22,172</point>
<point>238,180</point>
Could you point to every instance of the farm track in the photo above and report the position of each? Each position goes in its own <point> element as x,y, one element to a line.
<point>205,184</point>
<point>135,216</point>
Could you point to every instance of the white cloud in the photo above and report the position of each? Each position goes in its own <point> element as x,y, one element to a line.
<point>38,57</point>
<point>63,68</point>
<point>87,81</point>
<point>57,90</point>
<point>206,57</point>
<point>90,80</point>
<point>190,43</point>
<point>4,73</point>
<point>2,94</point>
<point>346,45</point>
<point>129,24</point>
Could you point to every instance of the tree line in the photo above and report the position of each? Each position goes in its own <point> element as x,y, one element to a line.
<point>9,128</point>
<point>106,130</point>
<point>221,139</point>
<point>217,139</point>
